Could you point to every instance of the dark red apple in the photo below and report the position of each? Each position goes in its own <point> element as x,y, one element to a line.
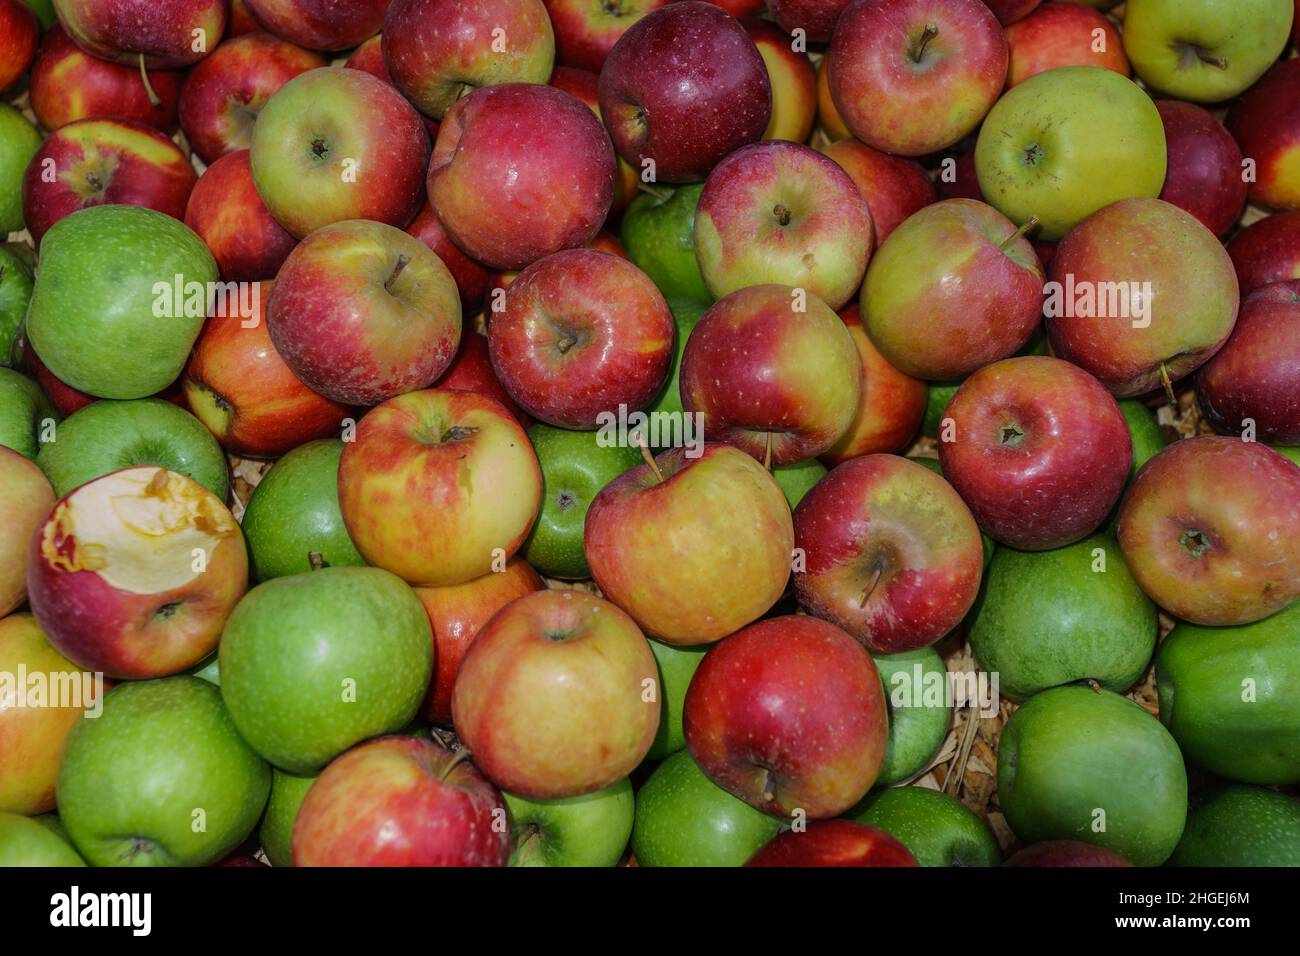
<point>1065,853</point>
<point>158,34</point>
<point>320,24</point>
<point>471,371</point>
<point>1009,11</point>
<point>1267,251</point>
<point>834,843</point>
<point>583,84</point>
<point>230,217</point>
<point>1266,124</point>
<point>1204,170</point>
<point>815,17</point>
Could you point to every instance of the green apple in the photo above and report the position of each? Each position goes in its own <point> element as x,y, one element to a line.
<point>658,232</point>
<point>1143,430</point>
<point>107,435</point>
<point>160,778</point>
<point>990,546</point>
<point>686,312</point>
<point>1046,618</point>
<point>1242,826</point>
<point>1051,147</point>
<point>294,511</point>
<point>936,401</point>
<point>797,478</point>
<point>1206,51</point>
<point>29,841</point>
<point>939,830</point>
<point>208,669</point>
<point>15,294</point>
<point>44,10</point>
<point>1228,695</point>
<point>287,793</point>
<point>19,141</point>
<point>920,709</point>
<point>1076,763</point>
<point>575,467</point>
<point>590,830</point>
<point>676,668</point>
<point>106,316</point>
<point>26,415</point>
<point>314,663</point>
<point>684,819</point>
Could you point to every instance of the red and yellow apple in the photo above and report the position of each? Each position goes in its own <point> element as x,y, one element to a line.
<point>26,499</point>
<point>793,81</point>
<point>1265,121</point>
<point>834,843</point>
<point>893,187</point>
<point>233,222</point>
<point>1063,34</point>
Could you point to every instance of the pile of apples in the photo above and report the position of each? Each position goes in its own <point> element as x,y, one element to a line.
<point>587,339</point>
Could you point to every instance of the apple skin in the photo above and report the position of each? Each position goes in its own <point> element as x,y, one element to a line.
<point>792,78</point>
<point>778,212</point>
<point>590,830</point>
<point>19,142</point>
<point>1192,306</point>
<point>591,320</point>
<point>907,584</point>
<point>25,413</point>
<point>833,843</point>
<point>918,725</point>
<point>585,85</point>
<point>764,375</point>
<point>815,17</point>
<point>1205,171</point>
<point>241,21</point>
<point>937,828</point>
<point>471,371</point>
<point>727,561</point>
<point>226,212</point>
<point>471,277</point>
<point>1241,826</point>
<point>1256,374</point>
<point>659,235</point>
<point>239,387</point>
<point>105,610</point>
<point>1062,34</point>
<point>334,144</point>
<point>788,715</point>
<point>1040,452</point>
<point>437,481</point>
<point>828,117</point>
<point>457,613</point>
<point>1267,251</point>
<point>28,841</point>
<point>677,665</point>
<point>1206,557</point>
<point>585,32</point>
<point>161,34</point>
<point>320,24</point>
<point>224,93</point>
<point>19,31</point>
<point>1013,11</point>
<point>893,187</point>
<point>952,289</point>
<point>1057,853</point>
<point>551,695</point>
<point>910,77</point>
<point>26,498</point>
<point>1266,124</point>
<point>437,50</point>
<point>683,88</point>
<point>369,57</point>
<point>104,161</point>
<point>276,832</point>
<point>361,311</point>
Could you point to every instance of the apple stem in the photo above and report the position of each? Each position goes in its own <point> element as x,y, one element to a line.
<point>767,455</point>
<point>1019,233</point>
<point>148,88</point>
<point>315,560</point>
<point>1096,688</point>
<point>402,262</point>
<point>657,193</point>
<point>649,458</point>
<point>1216,61</point>
<point>931,31</point>
<point>460,757</point>
<point>871,586</point>
<point>1169,386</point>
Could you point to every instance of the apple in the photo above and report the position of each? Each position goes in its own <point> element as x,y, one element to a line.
<point>727,560</point>
<point>369,57</point>
<point>500,281</point>
<point>15,296</point>
<point>471,371</point>
<point>223,94</point>
<point>1146,295</point>
<point>26,497</point>
<point>401,801</point>
<point>937,829</point>
<point>988,544</point>
<point>165,783</point>
<point>893,187</point>
<point>1082,764</point>
<point>157,34</point>
<point>675,114</point>
<point>1063,34</point>
<point>1202,50</point>
<point>892,555</point>
<point>1267,251</point>
<point>293,514</point>
<point>226,212</point>
<point>686,315</point>
<point>1047,150</point>
<point>590,830</point>
<point>66,400</point>
<point>792,78</point>
<point>471,277</point>
<point>1221,696</point>
<point>557,695</point>
<point>778,212</point>
<point>320,24</point>
<point>953,288</point>
<point>1205,556</point>
<point>26,841</point>
<point>276,832</point>
<point>585,32</point>
<point>241,21</point>
<point>684,819</point>
<point>1025,433</point>
<point>1143,431</point>
<point>1266,124</point>
<point>19,142</point>
<point>313,663</point>
<point>774,371</point>
<point>334,144</point>
<point>1255,377</point>
<point>1241,826</point>
<point>585,86</point>
<point>1205,166</point>
<point>828,117</point>
<point>1056,617</point>
<point>438,486</point>
<point>520,171</point>
<point>19,31</point>
<point>797,479</point>
<point>918,722</point>
<point>737,8</point>
<point>106,436</point>
<point>658,231</point>
<point>1057,853</point>
<point>26,415</point>
<point>135,573</point>
<point>910,77</point>
<point>833,843</point>
<point>677,665</point>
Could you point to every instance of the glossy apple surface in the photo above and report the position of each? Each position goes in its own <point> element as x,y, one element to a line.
<point>1267,251</point>
<point>1063,34</point>
<point>1205,174</point>
<point>1266,124</point>
<point>233,222</point>
<point>156,33</point>
<point>320,24</point>
<point>893,187</point>
<point>793,80</point>
<point>834,843</point>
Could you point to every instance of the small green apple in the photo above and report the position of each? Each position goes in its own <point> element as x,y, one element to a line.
<point>26,415</point>
<point>797,478</point>
<point>29,841</point>
<point>686,312</point>
<point>920,709</point>
<point>936,401</point>
<point>590,830</point>
<point>44,10</point>
<point>15,294</point>
<point>19,141</point>
<point>287,793</point>
<point>939,830</point>
<point>1242,826</point>
<point>659,234</point>
<point>676,668</point>
<point>1143,430</point>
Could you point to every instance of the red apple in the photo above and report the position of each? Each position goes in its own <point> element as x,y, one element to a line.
<point>788,715</point>
<point>959,179</point>
<point>1063,34</point>
<point>893,187</point>
<point>241,21</point>
<point>583,84</point>
<point>681,89</point>
<point>96,161</point>
<point>1204,170</point>
<point>585,31</point>
<point>239,387</point>
<point>369,57</point>
<point>590,320</point>
<point>401,801</point>
<point>774,372</point>
<point>438,486</point>
<point>134,573</point>
<point>793,81</point>
<point>63,397</point>
<point>1211,530</point>
<point>892,555</point>
<point>230,217</point>
<point>1267,251</point>
<point>471,277</point>
<point>223,95</point>
<point>1011,11</point>
<point>1266,124</point>
<point>501,281</point>
<point>834,843</point>
<point>320,24</point>
<point>557,696</point>
<point>1065,853</point>
<point>26,499</point>
<point>816,18</point>
<point>520,171</point>
<point>737,8</point>
<point>1038,449</point>
<point>19,32</point>
<point>471,371</point>
<point>159,34</point>
<point>361,311</point>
